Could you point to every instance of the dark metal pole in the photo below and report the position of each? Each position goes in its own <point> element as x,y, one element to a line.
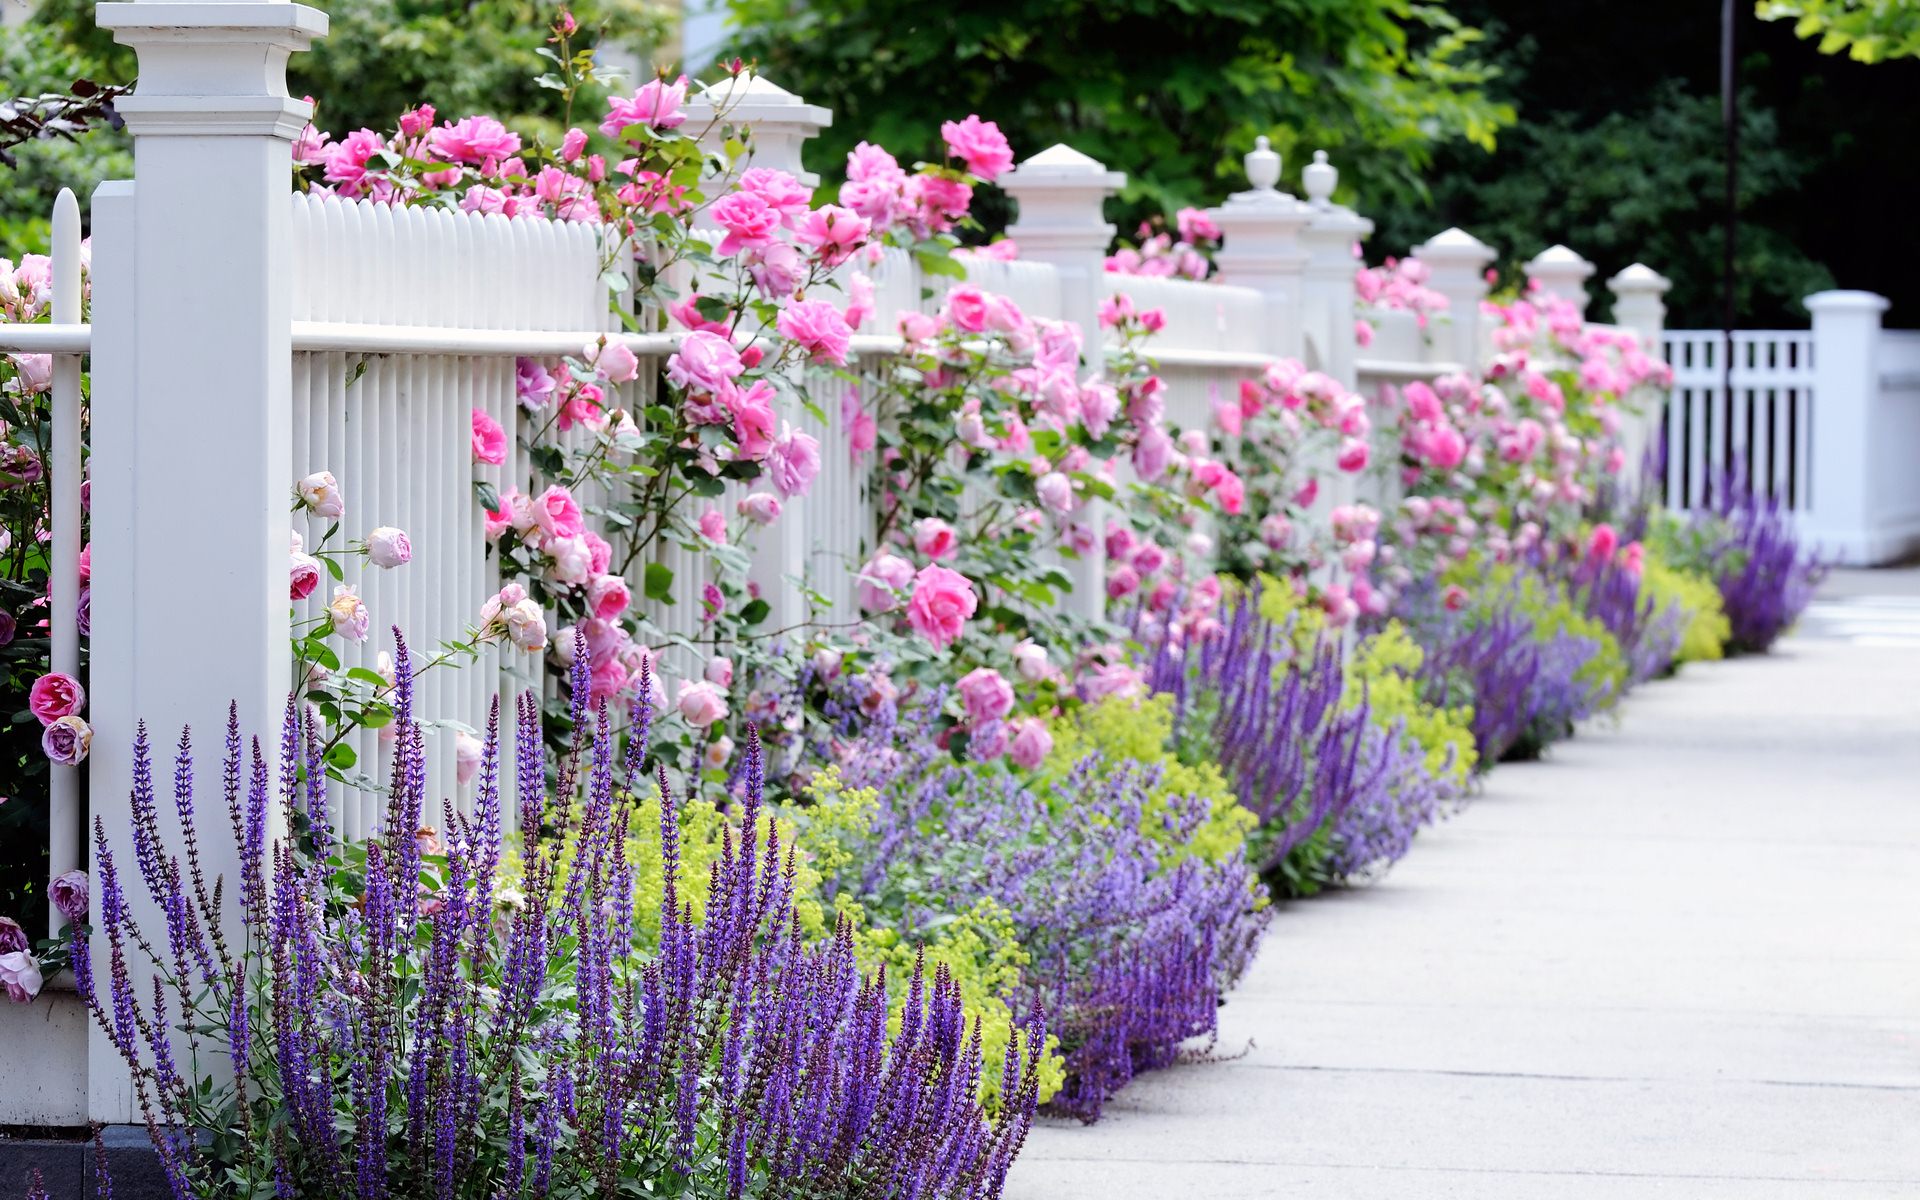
<point>1729,315</point>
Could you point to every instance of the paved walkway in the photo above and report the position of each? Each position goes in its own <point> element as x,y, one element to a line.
<point>1680,958</point>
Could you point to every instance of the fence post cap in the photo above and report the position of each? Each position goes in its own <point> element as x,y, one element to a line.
<point>756,99</point>
<point>1453,246</point>
<point>1061,166</point>
<point>213,69</point>
<point>1560,260</point>
<point>1845,301</point>
<point>1318,179</point>
<point>1637,278</point>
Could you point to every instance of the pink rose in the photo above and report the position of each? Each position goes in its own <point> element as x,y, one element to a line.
<point>615,362</point>
<point>713,526</point>
<point>819,328</point>
<point>608,596</point>
<point>701,703</point>
<point>388,547</point>
<point>347,613</point>
<point>719,671</point>
<point>884,575</point>
<point>793,462</point>
<point>980,144</point>
<point>1031,743</point>
<point>761,508</point>
<point>1353,455</point>
<point>656,105</point>
<point>935,539</point>
<point>783,193</point>
<point>1030,661</point>
<point>1600,547</point>
<point>941,603</point>
<point>35,371</point>
<point>572,145</point>
<point>969,308</point>
<point>1056,492</point>
<point>56,695</point>
<point>65,741</point>
<point>1153,454</point>
<point>705,362</point>
<point>750,222</point>
<point>70,894</point>
<point>20,973</point>
<point>320,492</point>
<point>303,575</point>
<point>12,937</point>
<point>987,695</point>
<point>752,410</point>
<point>467,752</point>
<point>557,513</point>
<point>474,140</point>
<point>834,233</point>
<point>533,383</point>
<point>489,439</point>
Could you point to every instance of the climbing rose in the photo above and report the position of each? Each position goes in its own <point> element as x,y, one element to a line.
<point>793,462</point>
<point>884,575</point>
<point>1030,661</point>
<point>1353,455</point>
<point>935,539</point>
<point>705,362</point>
<point>1600,547</point>
<point>969,308</point>
<point>320,492</point>
<point>303,575</point>
<point>474,140</point>
<point>20,973</point>
<point>66,741</point>
<point>719,671</point>
<point>557,513</point>
<point>55,695</point>
<point>713,525</point>
<point>834,233</point>
<point>762,508</point>
<point>656,105</point>
<point>987,695</point>
<point>572,145</point>
<point>941,603</point>
<point>819,328</point>
<point>608,596</point>
<point>70,894</point>
<point>615,362</point>
<point>750,222</point>
<point>701,703</point>
<point>388,547</point>
<point>348,614</point>
<point>489,439</point>
<point>1031,743</point>
<point>467,751</point>
<point>980,144</point>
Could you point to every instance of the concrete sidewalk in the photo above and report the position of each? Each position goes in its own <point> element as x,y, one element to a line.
<point>1679,958</point>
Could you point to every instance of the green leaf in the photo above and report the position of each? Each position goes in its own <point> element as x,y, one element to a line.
<point>487,494</point>
<point>366,676</point>
<point>659,583</point>
<point>755,611</point>
<point>342,757</point>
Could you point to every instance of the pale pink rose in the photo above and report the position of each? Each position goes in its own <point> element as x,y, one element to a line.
<point>613,360</point>
<point>719,671</point>
<point>819,328</point>
<point>533,383</point>
<point>20,973</point>
<point>987,695</point>
<point>65,741</point>
<point>656,105</point>
<point>557,514</point>
<point>917,327</point>
<point>1153,454</point>
<point>526,625</point>
<point>608,596</point>
<point>1030,661</point>
<point>717,752</point>
<point>388,547</point>
<point>35,371</point>
<point>980,144</point>
<point>778,269</point>
<point>935,539</point>
<point>705,362</point>
<point>55,695</point>
<point>320,492</point>
<point>489,439</point>
<point>761,508</point>
<point>348,614</point>
<point>701,703</point>
<point>70,894</point>
<point>859,300</point>
<point>713,526</point>
<point>793,462</point>
<point>862,432</point>
<point>941,603</point>
<point>467,751</point>
<point>1122,581</point>
<point>303,576</point>
<point>782,192</point>
<point>1056,492</point>
<point>1115,679</point>
<point>881,579</point>
<point>1031,743</point>
<point>569,560</point>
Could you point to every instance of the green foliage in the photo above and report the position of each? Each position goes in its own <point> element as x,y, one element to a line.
<point>1870,31</point>
<point>1141,731</point>
<point>1708,629</point>
<point>1171,91</point>
<point>1385,669</point>
<point>38,58</point>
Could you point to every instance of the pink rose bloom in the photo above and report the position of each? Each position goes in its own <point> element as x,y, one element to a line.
<point>750,222</point>
<point>388,547</point>
<point>1056,492</point>
<point>1353,455</point>
<point>862,432</point>
<point>935,539</point>
<point>719,671</point>
<point>713,526</point>
<point>793,462</point>
<point>705,362</point>
<point>474,140</point>
<point>70,894</point>
<point>761,508</point>
<point>1276,531</point>
<point>819,328</point>
<point>777,269</point>
<point>1454,598</point>
<point>35,371</point>
<point>347,159</point>
<point>968,308</point>
<point>570,560</point>
<point>1196,225</point>
<point>980,144</point>
<point>1031,743</point>
<point>834,233</point>
<point>320,492</point>
<point>656,105</point>
<point>56,695</point>
<point>1122,581</point>
<point>65,740</point>
<point>467,752</point>
<point>1153,454</point>
<point>348,614</point>
<point>859,300</point>
<point>489,439</point>
<point>701,703</point>
<point>940,200</point>
<point>782,192</point>
<point>1030,661</point>
<point>867,161</point>
<point>557,513</point>
<point>303,575</point>
<point>941,604</point>
<point>20,973</point>
<point>608,596</point>
<point>1600,546</point>
<point>752,419</point>
<point>572,145</point>
<point>987,695</point>
<point>884,575</point>
<point>12,937</point>
<point>615,362</point>
<point>599,552</point>
<point>1115,679</point>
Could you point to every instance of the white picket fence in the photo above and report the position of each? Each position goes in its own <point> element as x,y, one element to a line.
<point>1824,421</point>
<point>248,336</point>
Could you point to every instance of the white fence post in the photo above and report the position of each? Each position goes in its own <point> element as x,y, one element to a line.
<point>1262,250</point>
<point>1846,394</point>
<point>1328,313</point>
<point>64,839</point>
<point>1456,268</point>
<point>1061,193</point>
<point>1558,271</point>
<point>1637,305</point>
<point>192,360</point>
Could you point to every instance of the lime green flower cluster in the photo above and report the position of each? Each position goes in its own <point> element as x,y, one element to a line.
<point>1553,612</point>
<point>1699,597</point>
<point>1384,671</point>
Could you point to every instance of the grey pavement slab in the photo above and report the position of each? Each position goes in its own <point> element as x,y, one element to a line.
<point>1681,957</point>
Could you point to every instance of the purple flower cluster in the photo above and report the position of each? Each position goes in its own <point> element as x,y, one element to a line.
<point>1375,829</point>
<point>1132,942</point>
<point>400,1027</point>
<point>1648,635</point>
<point>1765,579</point>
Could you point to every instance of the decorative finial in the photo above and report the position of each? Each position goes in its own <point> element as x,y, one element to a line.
<point>1263,165</point>
<point>1319,179</point>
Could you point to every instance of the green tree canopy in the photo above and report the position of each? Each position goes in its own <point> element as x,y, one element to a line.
<point>1171,91</point>
<point>1868,30</point>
